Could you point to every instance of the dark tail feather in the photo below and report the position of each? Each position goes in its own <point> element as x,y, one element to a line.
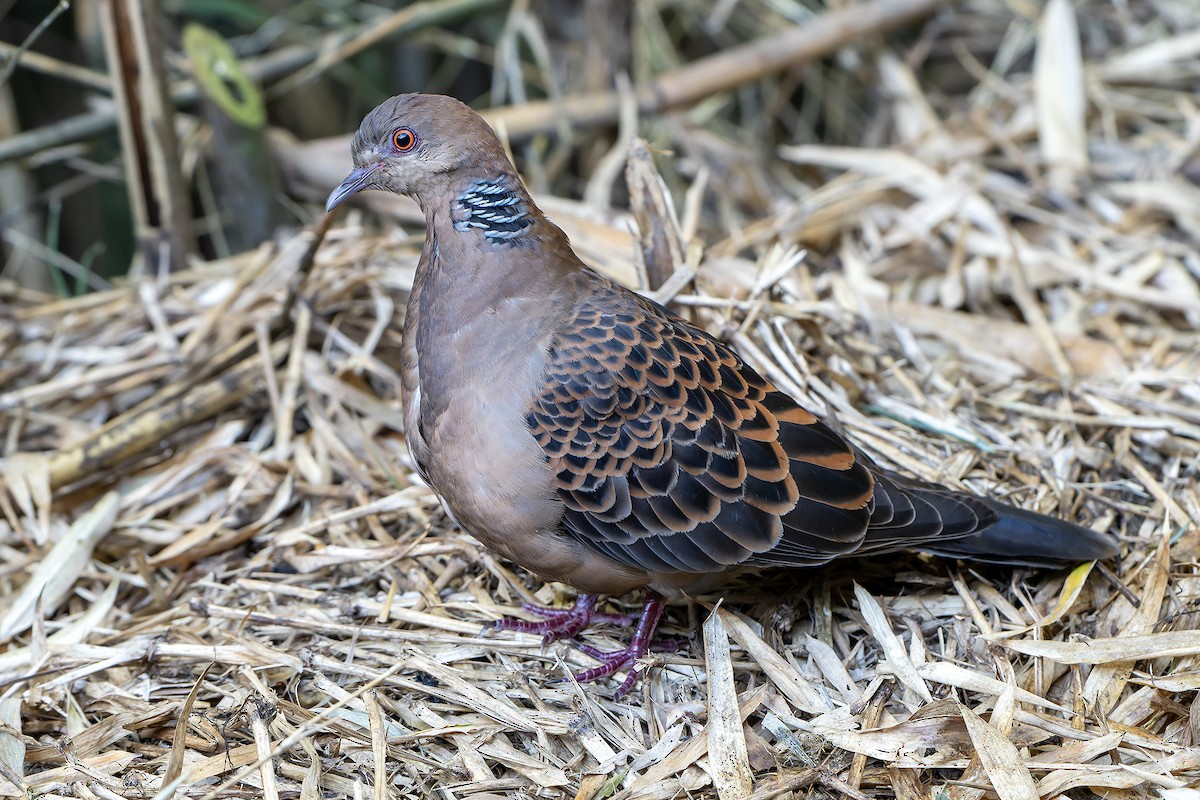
<point>1025,538</point>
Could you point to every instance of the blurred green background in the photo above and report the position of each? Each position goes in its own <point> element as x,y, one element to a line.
<point>68,194</point>
<point>65,193</point>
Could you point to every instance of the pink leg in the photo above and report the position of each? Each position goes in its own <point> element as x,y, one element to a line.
<point>561,623</point>
<point>652,611</point>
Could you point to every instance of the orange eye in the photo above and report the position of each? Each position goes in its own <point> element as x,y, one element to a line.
<point>404,139</point>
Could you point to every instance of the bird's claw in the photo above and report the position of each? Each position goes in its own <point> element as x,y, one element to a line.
<point>559,623</point>
<point>565,623</point>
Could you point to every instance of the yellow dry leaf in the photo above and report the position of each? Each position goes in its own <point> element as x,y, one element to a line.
<point>1070,593</point>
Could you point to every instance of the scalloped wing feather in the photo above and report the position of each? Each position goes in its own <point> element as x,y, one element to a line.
<point>673,455</point>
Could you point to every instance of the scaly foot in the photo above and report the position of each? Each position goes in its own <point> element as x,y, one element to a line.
<point>561,623</point>
<point>564,623</point>
<point>617,660</point>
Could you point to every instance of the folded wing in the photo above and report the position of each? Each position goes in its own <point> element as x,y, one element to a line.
<point>673,455</point>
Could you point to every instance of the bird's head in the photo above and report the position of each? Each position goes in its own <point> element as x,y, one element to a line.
<point>410,142</point>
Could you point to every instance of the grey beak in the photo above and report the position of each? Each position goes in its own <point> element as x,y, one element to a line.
<point>356,181</point>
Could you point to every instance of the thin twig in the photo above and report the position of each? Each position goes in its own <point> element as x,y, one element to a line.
<point>94,123</point>
<point>66,264</point>
<point>407,20</point>
<point>722,72</point>
<point>10,66</point>
<point>47,65</point>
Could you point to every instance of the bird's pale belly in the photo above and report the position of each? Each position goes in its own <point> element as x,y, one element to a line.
<point>492,478</point>
<point>498,488</point>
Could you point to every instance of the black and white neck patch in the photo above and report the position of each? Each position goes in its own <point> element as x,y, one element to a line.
<point>493,207</point>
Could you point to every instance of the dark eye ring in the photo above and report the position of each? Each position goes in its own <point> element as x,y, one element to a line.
<point>404,140</point>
